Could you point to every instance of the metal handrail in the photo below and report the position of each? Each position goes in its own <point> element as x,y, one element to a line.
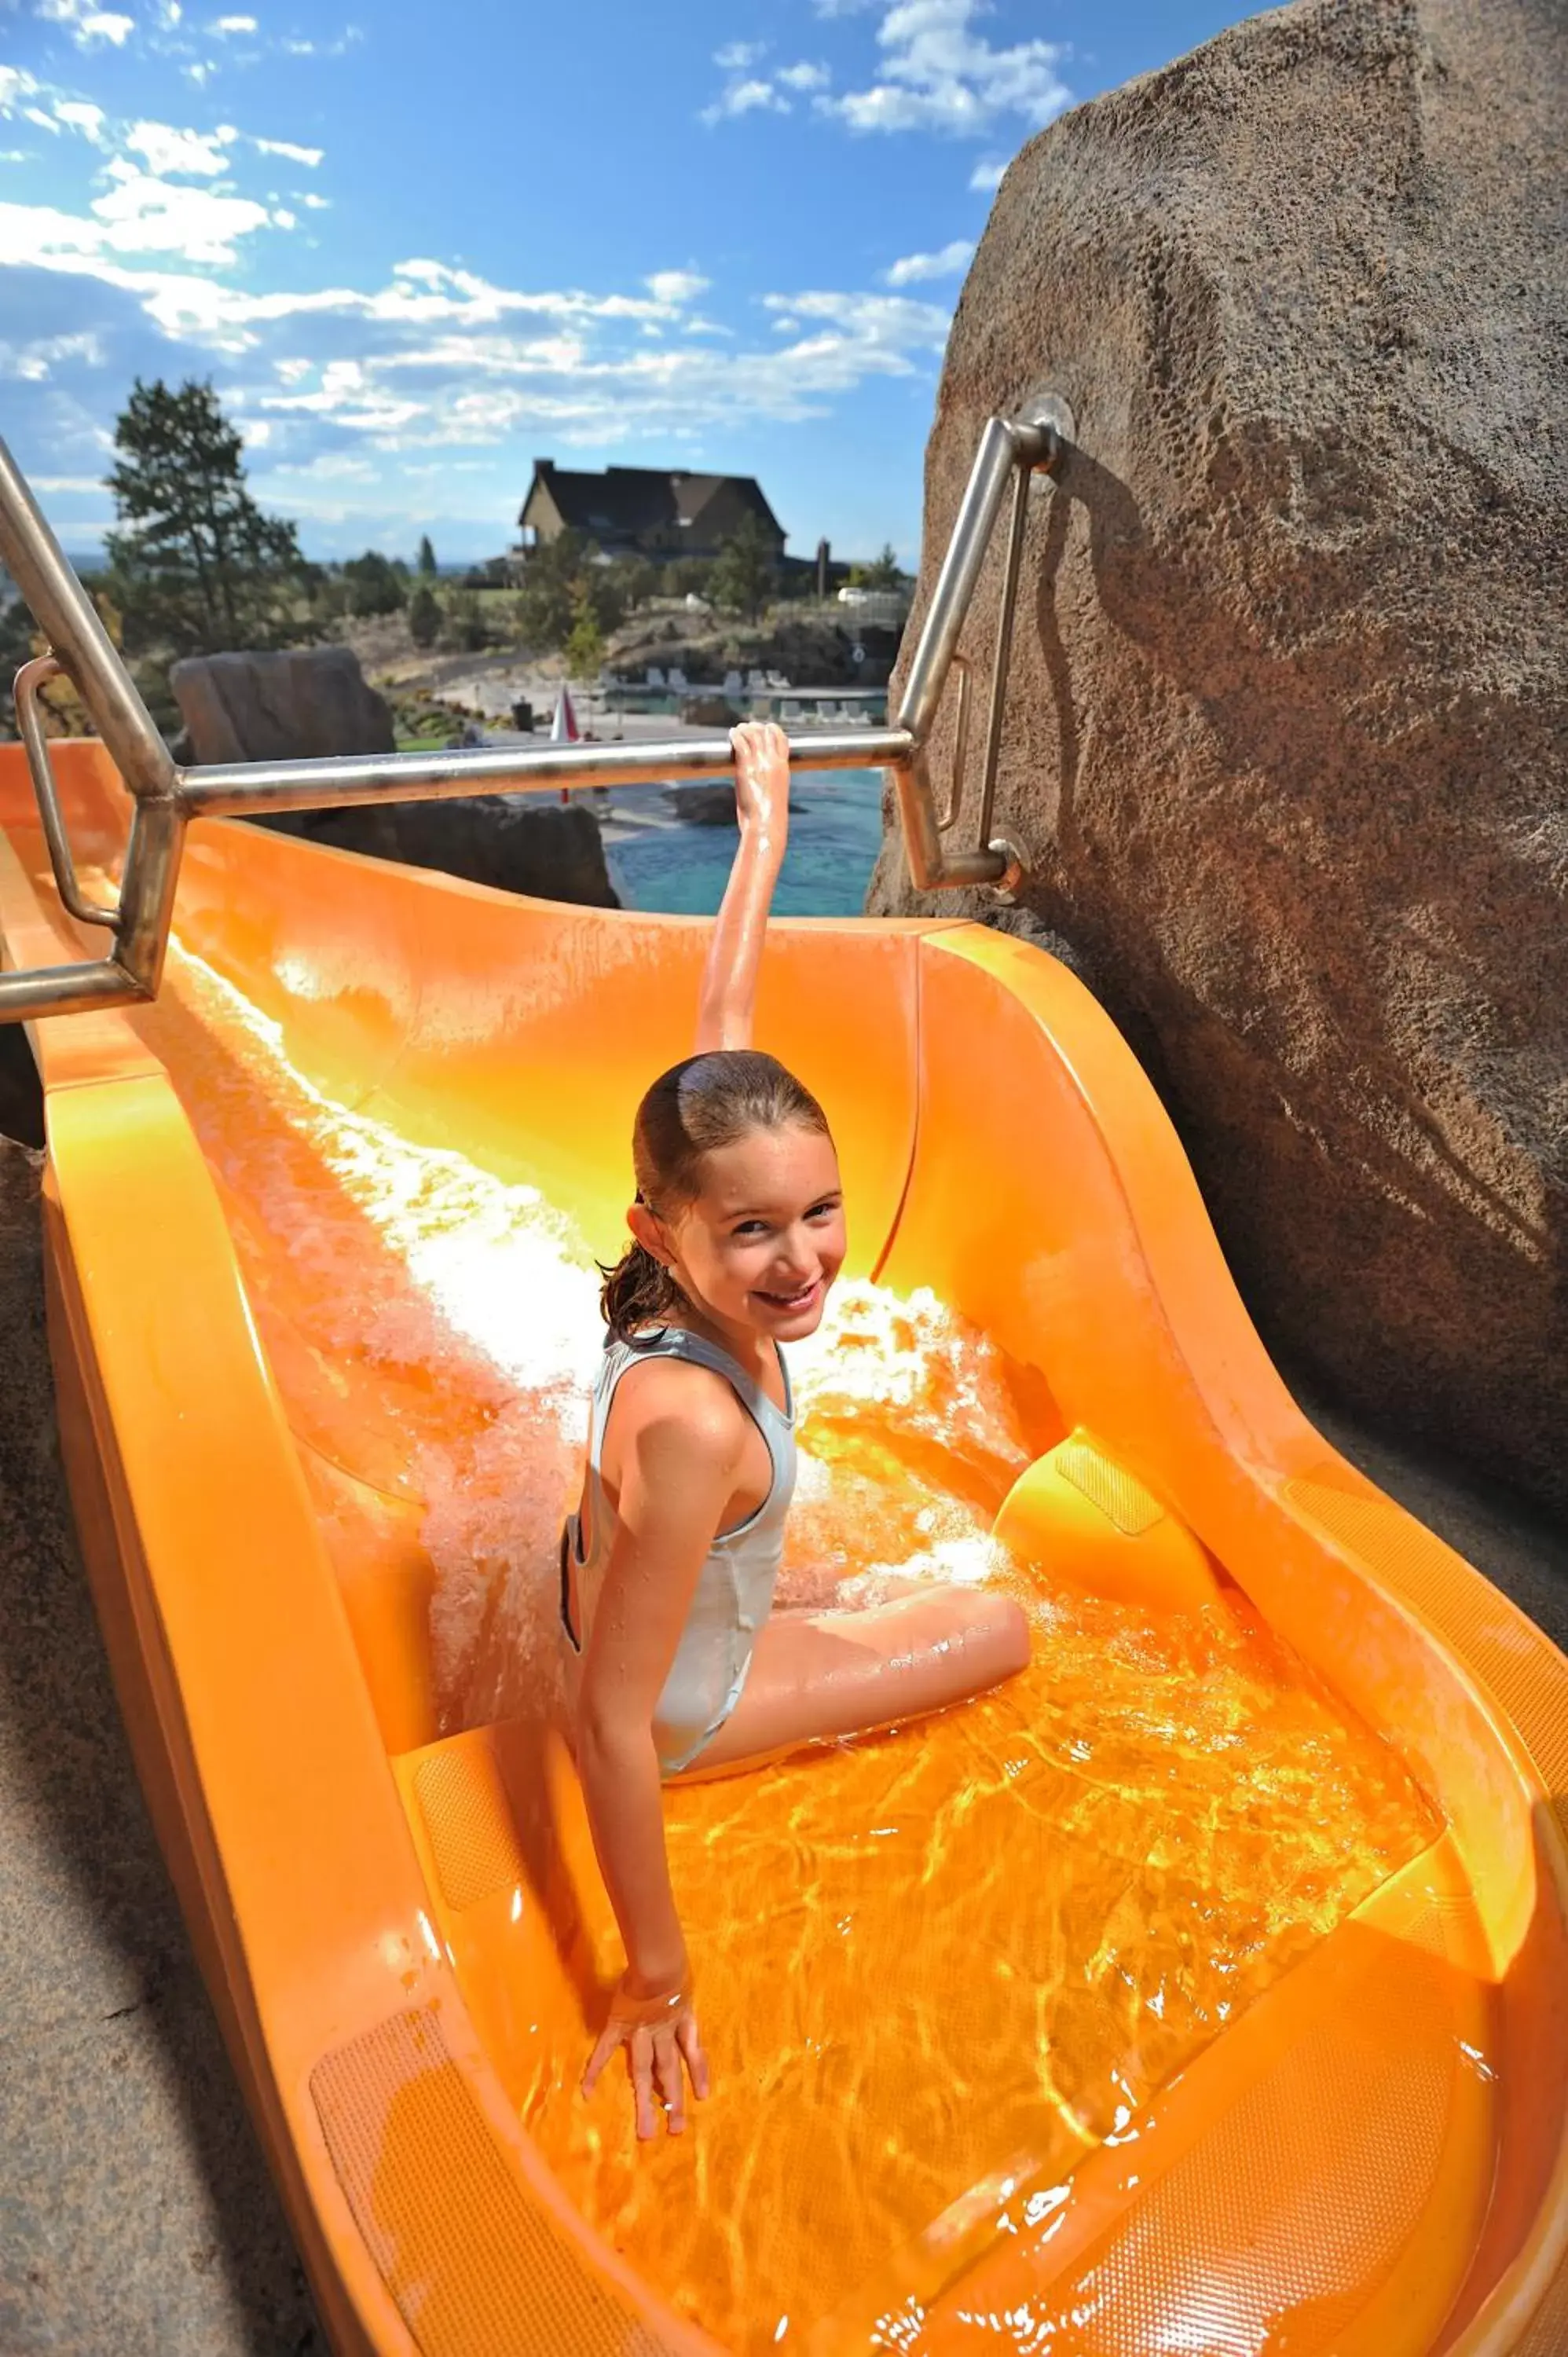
<point>29,680</point>
<point>166,798</point>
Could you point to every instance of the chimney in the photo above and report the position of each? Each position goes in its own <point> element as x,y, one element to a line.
<point>543,466</point>
<point>822,569</point>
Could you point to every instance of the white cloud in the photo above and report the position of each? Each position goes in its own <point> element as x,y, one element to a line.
<point>165,149</point>
<point>308,156</point>
<point>912,267</point>
<point>750,96</point>
<point>15,84</point>
<point>803,77</point>
<point>315,203</point>
<point>676,287</point>
<point>887,320</point>
<point>78,114</point>
<point>226,27</point>
<point>345,41</point>
<point>735,56</point>
<point>938,74</point>
<point>32,363</point>
<point>326,466</point>
<point>144,214</point>
<point>987,176</point>
<point>87,24</point>
<point>139,213</point>
<point>56,484</point>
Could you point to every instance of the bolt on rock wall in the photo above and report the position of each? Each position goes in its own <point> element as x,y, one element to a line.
<point>1287,734</point>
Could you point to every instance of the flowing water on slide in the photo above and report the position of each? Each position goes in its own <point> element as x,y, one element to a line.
<point>973,1945</point>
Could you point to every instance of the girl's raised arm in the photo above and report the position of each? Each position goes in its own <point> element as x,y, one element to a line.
<point>762,806</point>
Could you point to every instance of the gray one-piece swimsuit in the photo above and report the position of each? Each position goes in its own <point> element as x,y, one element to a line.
<point>734,1588</point>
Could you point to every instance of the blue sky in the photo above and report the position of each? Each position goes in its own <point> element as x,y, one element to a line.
<point>417,246</point>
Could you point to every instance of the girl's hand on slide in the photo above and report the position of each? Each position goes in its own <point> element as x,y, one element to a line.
<point>761,775</point>
<point>662,2046</point>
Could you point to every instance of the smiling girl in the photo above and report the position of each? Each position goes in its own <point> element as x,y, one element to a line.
<point>668,1566</point>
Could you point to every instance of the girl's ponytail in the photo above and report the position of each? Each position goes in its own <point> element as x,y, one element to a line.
<point>637,1291</point>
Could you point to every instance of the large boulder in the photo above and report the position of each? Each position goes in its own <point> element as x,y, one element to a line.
<point>551,851</point>
<point>1286,730</point>
<point>311,701</point>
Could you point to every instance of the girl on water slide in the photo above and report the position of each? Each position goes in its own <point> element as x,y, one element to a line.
<point>668,1566</point>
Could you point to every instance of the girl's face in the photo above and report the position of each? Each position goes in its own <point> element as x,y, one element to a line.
<point>765,1239</point>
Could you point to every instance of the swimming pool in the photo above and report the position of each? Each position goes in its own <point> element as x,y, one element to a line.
<point>659,862</point>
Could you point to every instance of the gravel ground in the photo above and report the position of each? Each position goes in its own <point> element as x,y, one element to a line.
<point>136,2213</point>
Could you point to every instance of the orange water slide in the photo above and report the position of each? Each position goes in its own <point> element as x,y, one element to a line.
<point>1034,2030</point>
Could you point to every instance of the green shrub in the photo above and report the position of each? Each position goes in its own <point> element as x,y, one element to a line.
<point>423,616</point>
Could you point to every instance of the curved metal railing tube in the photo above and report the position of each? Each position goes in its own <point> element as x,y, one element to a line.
<point>1002,659</point>
<point>995,463</point>
<point>253,788</point>
<point>1010,450</point>
<point>146,893</point>
<point>43,990</point>
<point>29,680</point>
<point>932,866</point>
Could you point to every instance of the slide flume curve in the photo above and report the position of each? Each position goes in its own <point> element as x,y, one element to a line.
<point>1205,1990</point>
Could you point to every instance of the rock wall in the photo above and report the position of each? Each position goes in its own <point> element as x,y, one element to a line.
<point>1287,730</point>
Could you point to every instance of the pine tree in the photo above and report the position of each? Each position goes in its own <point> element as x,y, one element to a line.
<point>426,561</point>
<point>883,572</point>
<point>197,565</point>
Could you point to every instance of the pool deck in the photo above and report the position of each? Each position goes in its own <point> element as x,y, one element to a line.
<point>136,2214</point>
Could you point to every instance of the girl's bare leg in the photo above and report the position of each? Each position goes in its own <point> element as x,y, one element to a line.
<point>821,1674</point>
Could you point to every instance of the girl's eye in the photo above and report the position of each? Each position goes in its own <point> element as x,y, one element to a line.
<point>748,1228</point>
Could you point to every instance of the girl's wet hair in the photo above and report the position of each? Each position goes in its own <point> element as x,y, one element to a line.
<point>690,1111</point>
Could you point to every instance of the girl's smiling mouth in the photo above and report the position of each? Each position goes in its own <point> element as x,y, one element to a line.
<point>802,1299</point>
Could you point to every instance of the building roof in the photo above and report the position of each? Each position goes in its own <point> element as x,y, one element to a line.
<point>624,503</point>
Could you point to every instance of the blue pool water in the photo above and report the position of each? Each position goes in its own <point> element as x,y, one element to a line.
<point>659,862</point>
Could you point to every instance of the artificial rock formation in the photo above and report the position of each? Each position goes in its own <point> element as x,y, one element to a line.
<point>1286,731</point>
<point>279,707</point>
<point>266,707</point>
